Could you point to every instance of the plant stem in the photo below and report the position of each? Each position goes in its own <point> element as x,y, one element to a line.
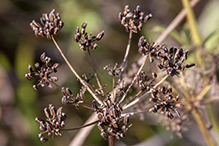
<point>75,73</point>
<point>138,99</point>
<point>95,72</point>
<point>192,22</point>
<point>126,53</point>
<point>111,140</point>
<point>133,80</point>
<point>83,126</point>
<point>202,127</point>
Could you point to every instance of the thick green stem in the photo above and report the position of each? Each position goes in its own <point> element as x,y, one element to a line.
<point>192,22</point>
<point>202,127</point>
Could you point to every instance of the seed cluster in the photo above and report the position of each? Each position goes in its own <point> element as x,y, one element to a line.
<point>111,123</point>
<point>113,71</point>
<point>172,60</point>
<point>54,122</point>
<point>69,98</point>
<point>133,20</point>
<point>165,101</point>
<point>87,41</point>
<point>42,72</point>
<point>50,25</point>
<point>144,81</point>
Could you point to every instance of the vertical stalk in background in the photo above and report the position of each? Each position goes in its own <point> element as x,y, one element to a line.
<point>192,22</point>
<point>197,41</point>
<point>193,30</point>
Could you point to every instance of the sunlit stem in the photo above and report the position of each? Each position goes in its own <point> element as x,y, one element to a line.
<point>144,95</point>
<point>95,72</point>
<point>80,127</point>
<point>126,53</point>
<point>55,85</point>
<point>75,73</point>
<point>133,80</point>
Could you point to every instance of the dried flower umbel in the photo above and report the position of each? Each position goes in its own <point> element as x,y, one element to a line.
<point>50,25</point>
<point>172,60</point>
<point>133,20</point>
<point>113,121</point>
<point>54,122</point>
<point>85,40</point>
<point>42,72</point>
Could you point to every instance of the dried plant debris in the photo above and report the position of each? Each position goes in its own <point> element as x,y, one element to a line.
<point>50,25</point>
<point>43,72</point>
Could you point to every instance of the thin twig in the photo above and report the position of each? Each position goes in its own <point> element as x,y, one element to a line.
<point>80,127</point>
<point>75,73</point>
<point>126,53</point>
<point>142,65</point>
<point>95,72</point>
<point>138,99</point>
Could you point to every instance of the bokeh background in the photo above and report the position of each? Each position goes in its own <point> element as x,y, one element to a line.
<point>20,104</point>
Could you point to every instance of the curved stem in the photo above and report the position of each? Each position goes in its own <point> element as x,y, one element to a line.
<point>133,80</point>
<point>126,53</point>
<point>75,73</point>
<point>138,99</point>
<point>95,72</point>
<point>76,128</point>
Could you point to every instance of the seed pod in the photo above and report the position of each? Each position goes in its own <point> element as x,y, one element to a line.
<point>84,25</point>
<point>47,113</point>
<point>101,126</point>
<point>52,110</point>
<point>51,15</point>
<point>59,111</point>
<point>43,139</point>
<point>190,65</point>
<point>154,75</point>
<point>64,101</point>
<point>94,46</point>
<point>56,29</point>
<point>114,123</point>
<point>68,91</point>
<point>62,124</point>
<point>35,87</point>
<point>177,112</point>
<point>138,9</point>
<point>126,119</point>
<point>104,135</point>
<point>99,35</point>
<point>147,17</point>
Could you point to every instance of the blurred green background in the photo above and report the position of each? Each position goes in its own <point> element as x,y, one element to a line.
<point>20,104</point>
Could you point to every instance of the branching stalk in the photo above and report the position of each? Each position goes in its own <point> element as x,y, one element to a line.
<point>75,73</point>
<point>95,72</point>
<point>138,99</point>
<point>133,80</point>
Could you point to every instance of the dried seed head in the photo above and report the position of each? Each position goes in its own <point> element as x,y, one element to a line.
<point>50,25</point>
<point>133,20</point>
